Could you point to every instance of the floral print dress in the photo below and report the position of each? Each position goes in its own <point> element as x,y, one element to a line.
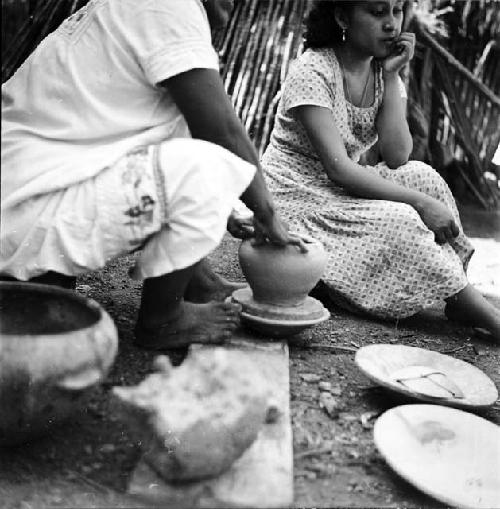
<point>383,260</point>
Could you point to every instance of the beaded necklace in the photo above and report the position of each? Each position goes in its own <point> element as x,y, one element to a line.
<point>356,129</point>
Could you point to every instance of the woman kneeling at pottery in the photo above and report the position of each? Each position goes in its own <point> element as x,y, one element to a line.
<point>392,230</point>
<point>88,174</point>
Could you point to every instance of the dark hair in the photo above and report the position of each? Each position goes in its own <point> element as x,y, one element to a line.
<point>321,28</point>
<point>322,31</point>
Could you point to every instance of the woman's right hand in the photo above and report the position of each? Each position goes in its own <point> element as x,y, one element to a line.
<point>438,218</point>
<point>402,52</point>
<point>272,229</point>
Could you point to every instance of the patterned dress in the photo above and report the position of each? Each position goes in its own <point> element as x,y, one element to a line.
<point>383,260</point>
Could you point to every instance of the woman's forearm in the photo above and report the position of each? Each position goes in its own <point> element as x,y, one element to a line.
<point>229,133</point>
<point>354,178</point>
<point>359,181</point>
<point>395,140</point>
<point>211,117</point>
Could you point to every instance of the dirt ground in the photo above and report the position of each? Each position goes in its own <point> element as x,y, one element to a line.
<point>87,461</point>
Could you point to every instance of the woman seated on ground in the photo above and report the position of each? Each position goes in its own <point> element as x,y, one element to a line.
<point>392,230</point>
<point>88,174</point>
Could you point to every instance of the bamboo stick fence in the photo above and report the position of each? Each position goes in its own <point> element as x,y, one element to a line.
<point>256,50</point>
<point>461,74</point>
<point>456,83</point>
<point>26,23</point>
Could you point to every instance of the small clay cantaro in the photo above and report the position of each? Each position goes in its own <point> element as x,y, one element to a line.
<point>281,275</point>
<point>277,303</point>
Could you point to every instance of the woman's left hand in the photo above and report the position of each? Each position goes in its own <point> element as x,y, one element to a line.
<point>240,227</point>
<point>402,53</point>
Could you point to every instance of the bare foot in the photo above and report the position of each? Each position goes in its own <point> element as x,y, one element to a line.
<point>218,292</point>
<point>455,315</point>
<point>206,285</point>
<point>211,322</point>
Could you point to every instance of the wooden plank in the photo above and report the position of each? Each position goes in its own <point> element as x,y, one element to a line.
<point>263,476</point>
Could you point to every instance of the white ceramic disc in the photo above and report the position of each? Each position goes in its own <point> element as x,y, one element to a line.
<point>281,328</point>
<point>451,455</point>
<point>309,309</point>
<point>427,376</point>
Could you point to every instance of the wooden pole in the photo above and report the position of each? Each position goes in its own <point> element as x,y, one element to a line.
<point>453,62</point>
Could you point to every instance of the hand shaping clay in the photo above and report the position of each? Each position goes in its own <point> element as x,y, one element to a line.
<point>195,420</point>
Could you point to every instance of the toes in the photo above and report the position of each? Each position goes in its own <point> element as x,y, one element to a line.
<point>231,322</point>
<point>230,307</point>
<point>228,323</point>
<point>224,311</point>
<point>221,337</point>
<point>225,315</point>
<point>227,335</point>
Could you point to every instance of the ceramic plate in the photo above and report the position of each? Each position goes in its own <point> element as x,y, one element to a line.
<point>427,376</point>
<point>451,455</point>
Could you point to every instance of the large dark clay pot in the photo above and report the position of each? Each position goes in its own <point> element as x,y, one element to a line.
<point>54,346</point>
<point>281,276</point>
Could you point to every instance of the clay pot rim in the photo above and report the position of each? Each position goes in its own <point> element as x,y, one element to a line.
<point>54,290</point>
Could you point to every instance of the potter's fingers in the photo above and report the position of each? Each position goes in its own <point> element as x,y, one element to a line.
<point>295,240</point>
<point>440,237</point>
<point>243,233</point>
<point>258,238</point>
<point>450,237</point>
<point>259,233</point>
<point>247,231</point>
<point>241,228</point>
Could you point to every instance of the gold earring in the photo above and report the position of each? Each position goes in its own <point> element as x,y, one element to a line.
<point>343,34</point>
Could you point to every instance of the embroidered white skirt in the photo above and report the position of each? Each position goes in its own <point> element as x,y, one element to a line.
<point>172,200</point>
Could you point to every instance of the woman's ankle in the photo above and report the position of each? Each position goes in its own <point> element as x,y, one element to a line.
<point>470,307</point>
<point>150,321</point>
